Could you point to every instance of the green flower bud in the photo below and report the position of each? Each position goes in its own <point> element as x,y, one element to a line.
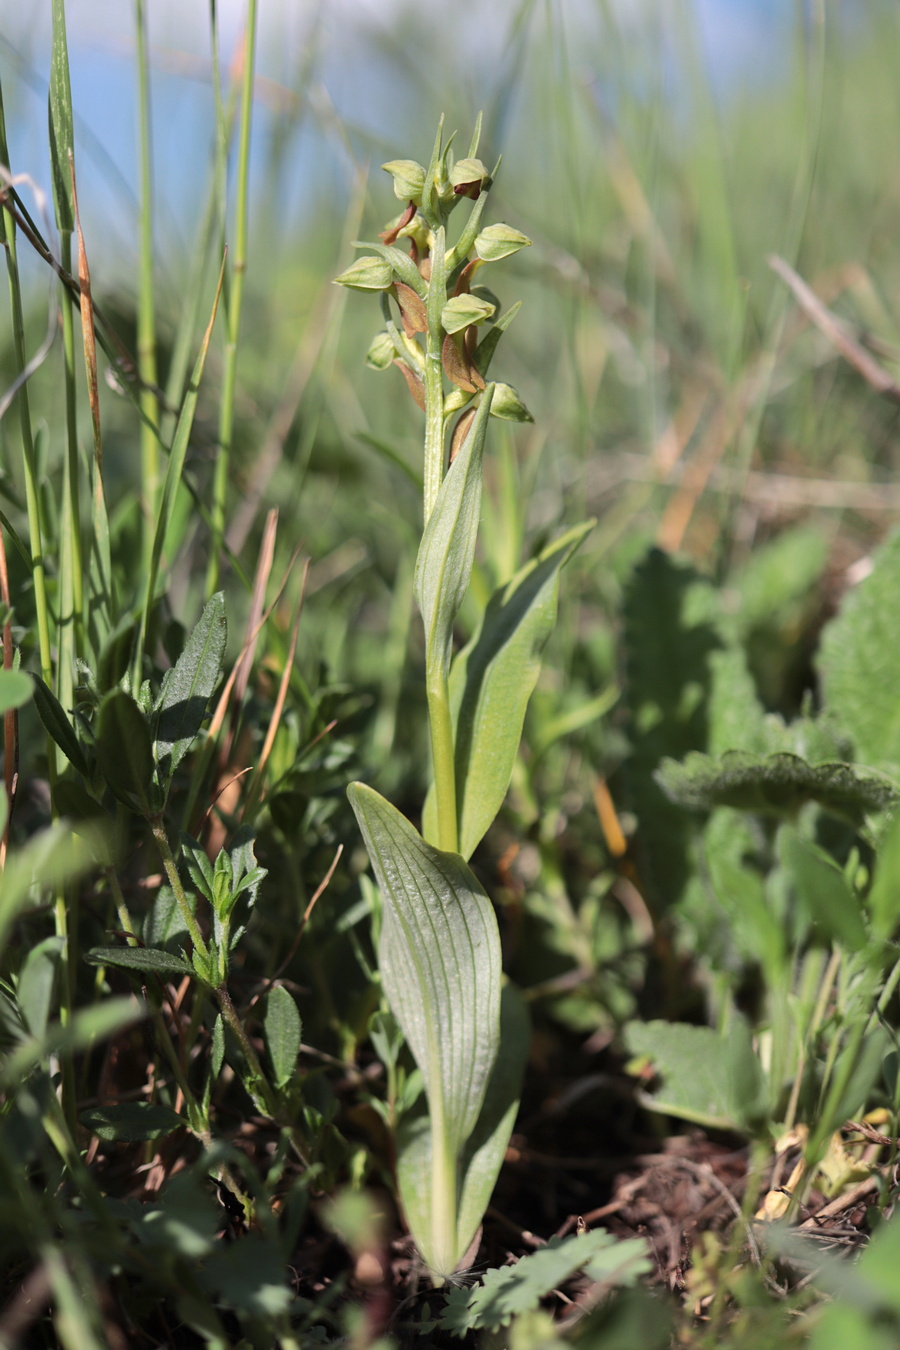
<point>483,293</point>
<point>469,177</point>
<point>507,404</point>
<point>409,179</point>
<point>463,310</point>
<point>381,352</point>
<point>499,241</point>
<point>368,273</point>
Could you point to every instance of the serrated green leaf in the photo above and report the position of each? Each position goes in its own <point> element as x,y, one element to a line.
<point>509,1291</point>
<point>440,966</point>
<point>37,981</point>
<point>713,1080</point>
<point>491,681</point>
<point>57,725</point>
<point>283,1034</point>
<point>484,1151</point>
<point>124,750</point>
<point>188,687</point>
<point>859,663</point>
<point>62,136</point>
<point>774,785</point>
<point>131,1121</point>
<point>447,550</point>
<point>141,959</point>
<point>16,689</point>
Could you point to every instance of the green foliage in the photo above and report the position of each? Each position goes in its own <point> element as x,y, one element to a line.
<point>859,662</point>
<point>513,1290</point>
<point>714,1080</point>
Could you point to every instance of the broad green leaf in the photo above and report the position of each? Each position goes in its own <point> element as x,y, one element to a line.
<point>444,563</point>
<point>57,725</point>
<point>832,906</point>
<point>164,923</point>
<point>188,687</point>
<point>16,689</point>
<point>440,966</point>
<point>859,663</point>
<point>491,681</point>
<point>713,1080</point>
<point>774,784</point>
<point>87,1027</point>
<point>37,980</point>
<point>62,137</point>
<point>141,959</point>
<point>281,1026</point>
<point>124,750</point>
<point>484,1152</point>
<point>131,1121</point>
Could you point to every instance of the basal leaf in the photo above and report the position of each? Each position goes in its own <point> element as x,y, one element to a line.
<point>859,663</point>
<point>710,1079</point>
<point>141,959</point>
<point>491,681</point>
<point>483,1155</point>
<point>283,1034</point>
<point>774,784</point>
<point>440,964</point>
<point>444,562</point>
<point>131,1121</point>
<point>188,687</point>
<point>124,751</point>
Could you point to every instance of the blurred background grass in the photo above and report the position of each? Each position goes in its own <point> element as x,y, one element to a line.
<point>656,154</point>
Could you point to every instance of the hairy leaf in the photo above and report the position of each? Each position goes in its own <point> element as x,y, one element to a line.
<point>774,784</point>
<point>283,1034</point>
<point>139,958</point>
<point>131,1121</point>
<point>124,750</point>
<point>188,687</point>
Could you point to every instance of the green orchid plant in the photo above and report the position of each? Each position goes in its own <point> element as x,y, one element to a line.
<point>439,950</point>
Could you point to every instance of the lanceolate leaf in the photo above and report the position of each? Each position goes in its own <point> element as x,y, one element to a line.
<point>282,1029</point>
<point>440,965</point>
<point>139,958</point>
<point>57,725</point>
<point>124,751</point>
<point>484,1152</point>
<point>188,687</point>
<point>444,564</point>
<point>491,681</point>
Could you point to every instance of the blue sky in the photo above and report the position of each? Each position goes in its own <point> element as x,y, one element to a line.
<point>742,40</point>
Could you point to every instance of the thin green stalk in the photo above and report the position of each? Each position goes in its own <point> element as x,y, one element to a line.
<point>235,301</point>
<point>443,758</point>
<point>146,315</point>
<point>161,839</point>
